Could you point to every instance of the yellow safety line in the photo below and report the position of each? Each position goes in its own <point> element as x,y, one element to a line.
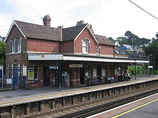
<point>134,108</point>
<point>40,97</point>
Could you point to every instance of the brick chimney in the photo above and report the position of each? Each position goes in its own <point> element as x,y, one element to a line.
<point>46,20</point>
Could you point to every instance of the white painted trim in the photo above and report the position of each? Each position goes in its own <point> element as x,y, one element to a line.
<point>72,58</point>
<point>44,57</point>
<point>14,23</point>
<point>90,32</point>
<point>79,58</point>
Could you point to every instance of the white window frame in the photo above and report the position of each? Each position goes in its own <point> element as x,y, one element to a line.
<point>98,49</point>
<point>85,46</point>
<point>19,45</point>
<point>13,46</point>
<point>16,45</point>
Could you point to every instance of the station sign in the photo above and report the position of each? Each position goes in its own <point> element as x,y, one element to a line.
<point>150,66</point>
<point>53,67</point>
<point>76,65</point>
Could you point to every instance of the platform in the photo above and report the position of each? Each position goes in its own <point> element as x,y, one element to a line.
<point>23,96</point>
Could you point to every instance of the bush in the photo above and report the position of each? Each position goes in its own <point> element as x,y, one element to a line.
<point>137,70</point>
<point>156,72</point>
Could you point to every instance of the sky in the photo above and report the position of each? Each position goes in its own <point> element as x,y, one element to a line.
<point>110,18</point>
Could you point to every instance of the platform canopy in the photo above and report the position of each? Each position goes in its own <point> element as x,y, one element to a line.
<point>92,58</point>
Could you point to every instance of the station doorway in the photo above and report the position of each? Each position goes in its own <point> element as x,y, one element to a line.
<point>82,76</point>
<point>46,76</point>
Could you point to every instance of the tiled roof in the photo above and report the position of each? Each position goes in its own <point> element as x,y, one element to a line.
<point>103,40</point>
<point>56,34</point>
<point>39,31</point>
<point>72,32</point>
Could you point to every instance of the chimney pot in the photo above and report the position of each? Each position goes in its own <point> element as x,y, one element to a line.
<point>46,20</point>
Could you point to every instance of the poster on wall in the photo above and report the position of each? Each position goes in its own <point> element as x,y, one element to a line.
<point>24,70</point>
<point>30,74</point>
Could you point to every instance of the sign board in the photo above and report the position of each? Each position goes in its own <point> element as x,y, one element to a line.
<point>76,65</point>
<point>30,74</point>
<point>24,70</point>
<point>9,80</point>
<point>150,66</point>
<point>64,73</point>
<point>53,67</point>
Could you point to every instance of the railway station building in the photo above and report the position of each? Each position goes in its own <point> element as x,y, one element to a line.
<point>41,55</point>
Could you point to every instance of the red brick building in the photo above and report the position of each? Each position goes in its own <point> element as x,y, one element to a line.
<point>41,55</point>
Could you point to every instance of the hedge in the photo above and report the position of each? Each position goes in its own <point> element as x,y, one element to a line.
<point>138,70</point>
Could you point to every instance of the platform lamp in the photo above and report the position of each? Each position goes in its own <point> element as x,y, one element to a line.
<point>149,64</point>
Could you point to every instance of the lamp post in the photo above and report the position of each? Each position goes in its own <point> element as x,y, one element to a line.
<point>149,65</point>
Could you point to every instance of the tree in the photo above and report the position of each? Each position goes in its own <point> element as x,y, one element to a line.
<point>111,39</point>
<point>122,40</point>
<point>2,53</point>
<point>152,49</point>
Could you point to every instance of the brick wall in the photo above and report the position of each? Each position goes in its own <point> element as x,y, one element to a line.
<point>67,47</point>
<point>78,42</point>
<point>42,46</point>
<point>18,58</point>
<point>106,50</point>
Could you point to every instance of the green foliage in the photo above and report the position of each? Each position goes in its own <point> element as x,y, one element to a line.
<point>155,72</point>
<point>2,53</point>
<point>137,70</point>
<point>132,39</point>
<point>111,39</point>
<point>152,49</point>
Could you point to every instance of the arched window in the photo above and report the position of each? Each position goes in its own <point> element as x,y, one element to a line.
<point>85,46</point>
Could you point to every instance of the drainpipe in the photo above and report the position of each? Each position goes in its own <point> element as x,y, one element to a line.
<point>90,76</point>
<point>59,76</point>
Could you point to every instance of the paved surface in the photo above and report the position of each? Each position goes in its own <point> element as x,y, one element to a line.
<point>147,111</point>
<point>21,95</point>
<point>143,108</point>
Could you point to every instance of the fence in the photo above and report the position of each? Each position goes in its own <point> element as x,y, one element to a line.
<point>4,83</point>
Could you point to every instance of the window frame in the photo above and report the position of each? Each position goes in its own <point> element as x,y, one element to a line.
<point>85,46</point>
<point>16,45</point>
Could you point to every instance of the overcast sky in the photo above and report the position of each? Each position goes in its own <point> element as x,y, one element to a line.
<point>111,18</point>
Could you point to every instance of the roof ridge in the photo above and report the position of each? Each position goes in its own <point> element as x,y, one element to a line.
<point>75,26</point>
<point>34,24</point>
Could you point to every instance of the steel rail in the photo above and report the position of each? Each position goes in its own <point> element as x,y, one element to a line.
<point>97,109</point>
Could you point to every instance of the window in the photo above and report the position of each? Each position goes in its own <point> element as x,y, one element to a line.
<point>85,46</point>
<point>36,73</point>
<point>98,49</point>
<point>94,72</point>
<point>16,45</point>
<point>103,72</point>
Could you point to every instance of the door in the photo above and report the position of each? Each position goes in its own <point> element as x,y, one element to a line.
<point>82,75</point>
<point>68,80</point>
<point>46,76</point>
<point>15,77</point>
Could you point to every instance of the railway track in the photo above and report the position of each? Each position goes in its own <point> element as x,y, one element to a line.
<point>86,109</point>
<point>100,108</point>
